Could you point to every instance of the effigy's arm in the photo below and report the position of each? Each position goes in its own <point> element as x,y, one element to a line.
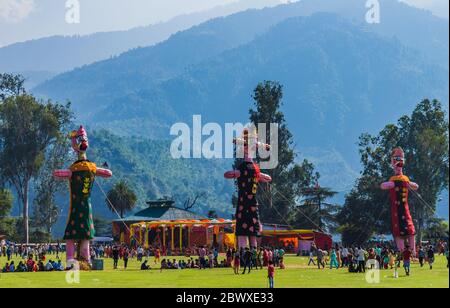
<point>413,186</point>
<point>234,174</point>
<point>387,185</point>
<point>62,174</point>
<point>265,178</point>
<point>104,173</point>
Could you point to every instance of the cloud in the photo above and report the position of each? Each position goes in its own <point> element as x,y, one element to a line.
<point>15,10</point>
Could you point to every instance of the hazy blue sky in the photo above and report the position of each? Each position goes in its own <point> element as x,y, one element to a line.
<point>27,19</point>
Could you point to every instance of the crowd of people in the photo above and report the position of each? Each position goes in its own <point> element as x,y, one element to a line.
<point>380,255</point>
<point>46,257</point>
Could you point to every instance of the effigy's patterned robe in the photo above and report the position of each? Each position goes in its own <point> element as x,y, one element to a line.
<point>80,225</point>
<point>247,216</point>
<point>402,222</point>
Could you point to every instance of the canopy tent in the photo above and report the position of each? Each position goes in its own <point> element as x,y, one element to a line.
<point>182,231</point>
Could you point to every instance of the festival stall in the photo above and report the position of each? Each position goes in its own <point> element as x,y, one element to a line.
<point>296,240</point>
<point>177,235</point>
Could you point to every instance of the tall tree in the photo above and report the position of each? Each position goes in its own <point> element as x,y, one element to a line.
<point>6,224</point>
<point>11,85</point>
<point>46,212</point>
<point>314,205</point>
<point>27,129</point>
<point>122,197</point>
<point>212,214</point>
<point>424,138</point>
<point>278,199</point>
<point>6,202</point>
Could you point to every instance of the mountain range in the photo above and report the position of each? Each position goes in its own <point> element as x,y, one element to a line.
<point>41,59</point>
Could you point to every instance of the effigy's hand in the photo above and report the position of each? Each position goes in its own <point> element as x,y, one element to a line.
<point>413,186</point>
<point>62,174</point>
<point>387,185</point>
<point>265,178</point>
<point>104,173</point>
<point>232,174</point>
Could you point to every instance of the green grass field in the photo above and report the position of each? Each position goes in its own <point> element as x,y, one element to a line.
<point>296,275</point>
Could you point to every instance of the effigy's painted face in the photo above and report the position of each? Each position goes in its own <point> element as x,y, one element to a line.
<point>80,141</point>
<point>398,160</point>
<point>248,142</point>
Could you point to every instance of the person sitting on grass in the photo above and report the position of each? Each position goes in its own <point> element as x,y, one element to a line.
<point>41,266</point>
<point>196,264</point>
<point>58,266</point>
<point>183,264</point>
<point>144,266</point>
<point>49,266</point>
<point>6,268</point>
<point>352,264</point>
<point>30,263</point>
<point>175,264</point>
<point>21,268</point>
<point>164,264</point>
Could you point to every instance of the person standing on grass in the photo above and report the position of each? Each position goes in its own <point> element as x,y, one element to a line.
<point>125,257</point>
<point>211,259</point>
<point>345,254</point>
<point>421,256</point>
<point>333,260</point>
<point>446,254</point>
<point>9,253</point>
<point>247,260</point>
<point>265,257</point>
<point>271,274</point>
<point>391,259</point>
<point>157,255</point>
<point>202,257</point>
<point>311,258</point>
<point>236,263</point>
<point>320,256</point>
<point>361,260</point>
<point>115,255</point>
<point>430,256</point>
<point>259,262</point>
<point>407,254</point>
<point>254,252</point>
<point>398,261</point>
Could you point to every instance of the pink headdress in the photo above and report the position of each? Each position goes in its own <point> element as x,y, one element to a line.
<point>79,140</point>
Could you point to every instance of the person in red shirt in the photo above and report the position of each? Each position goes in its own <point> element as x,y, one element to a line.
<point>271,274</point>
<point>265,257</point>
<point>407,253</point>
<point>157,255</point>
